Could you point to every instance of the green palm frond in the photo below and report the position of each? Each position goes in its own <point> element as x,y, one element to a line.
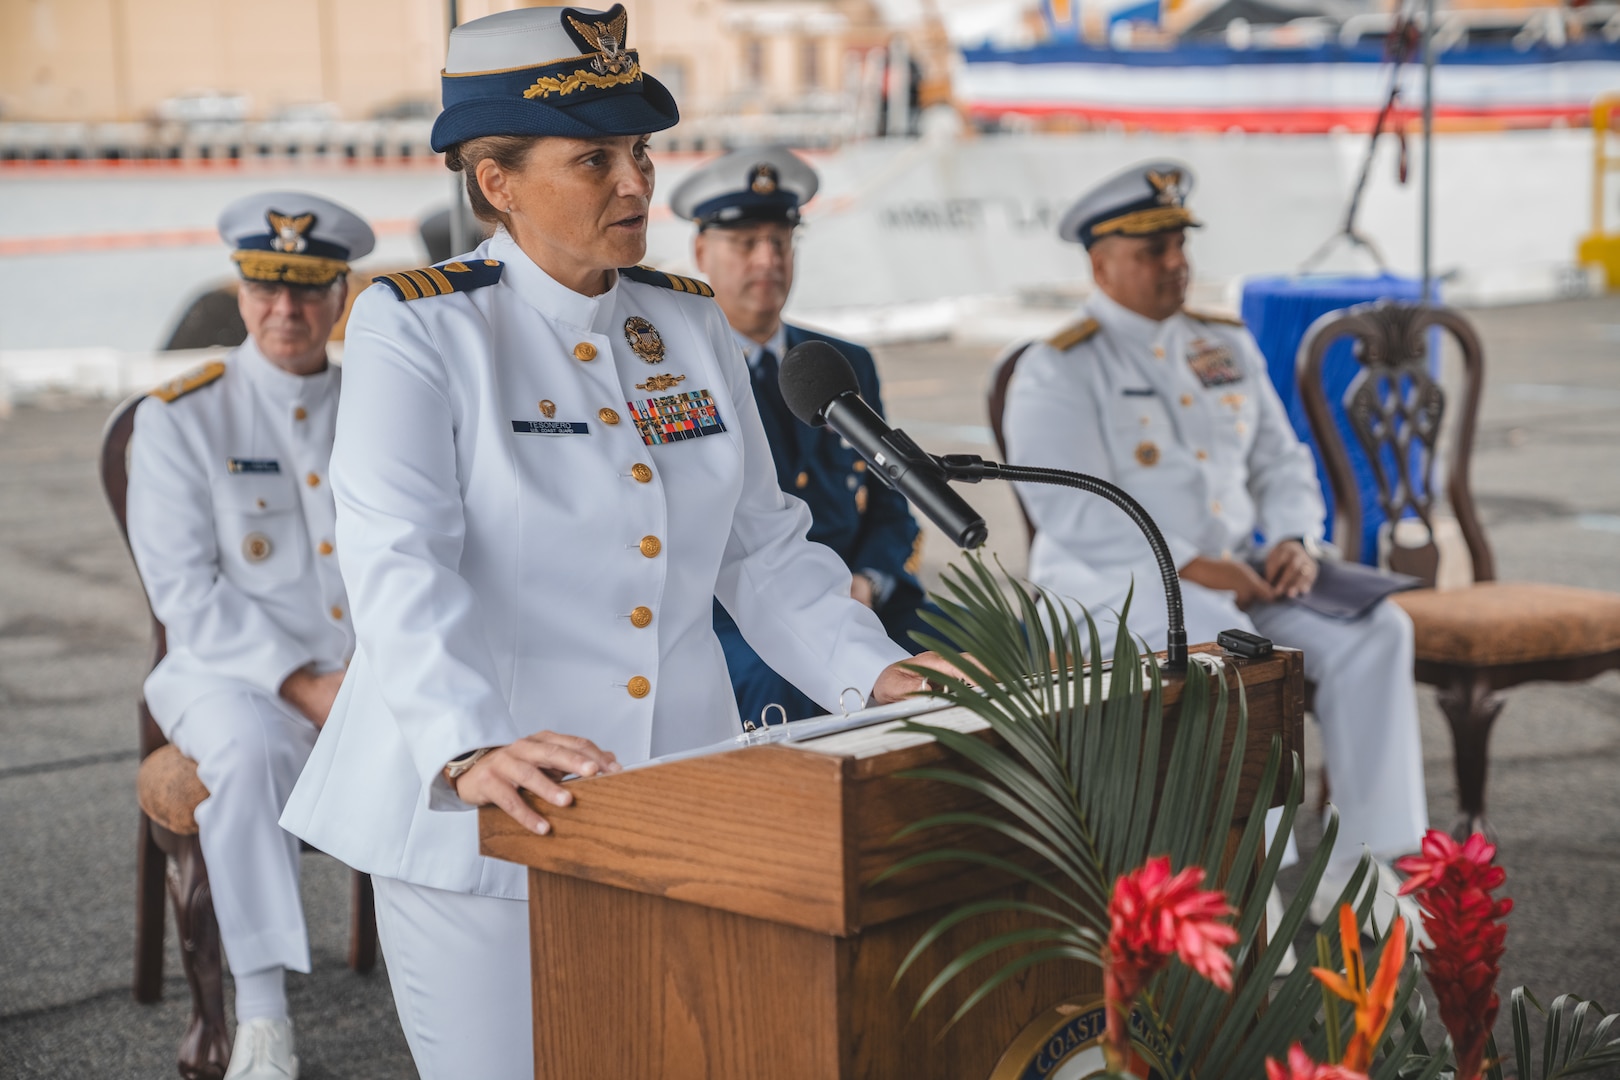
<point>1564,1052</point>
<point>1074,779</point>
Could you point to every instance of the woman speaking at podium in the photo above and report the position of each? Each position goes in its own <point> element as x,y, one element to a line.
<point>548,463</point>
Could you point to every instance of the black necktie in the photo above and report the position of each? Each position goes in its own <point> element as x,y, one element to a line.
<point>768,394</point>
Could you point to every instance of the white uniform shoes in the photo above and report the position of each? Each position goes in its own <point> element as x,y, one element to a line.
<point>263,1051</point>
<point>1386,903</point>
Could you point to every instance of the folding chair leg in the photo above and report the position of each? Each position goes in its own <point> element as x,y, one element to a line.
<point>150,863</point>
<point>205,1051</point>
<point>362,925</point>
<point>1471,706</point>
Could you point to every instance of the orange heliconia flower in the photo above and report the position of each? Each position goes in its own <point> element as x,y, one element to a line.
<point>1153,916</point>
<point>1301,1067</point>
<point>1374,1004</point>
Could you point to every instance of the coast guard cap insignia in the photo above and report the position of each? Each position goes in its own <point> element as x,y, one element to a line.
<point>256,547</point>
<point>548,409</point>
<point>763,181</point>
<point>289,232</point>
<point>606,38</point>
<point>644,340</point>
<point>1170,186</point>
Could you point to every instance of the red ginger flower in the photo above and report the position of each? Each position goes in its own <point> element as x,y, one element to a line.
<point>1152,917</point>
<point>1301,1067</point>
<point>1453,883</point>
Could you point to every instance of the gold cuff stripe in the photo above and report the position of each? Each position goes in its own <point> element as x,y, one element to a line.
<point>287,267</point>
<point>546,85</point>
<point>914,562</point>
<point>1142,222</point>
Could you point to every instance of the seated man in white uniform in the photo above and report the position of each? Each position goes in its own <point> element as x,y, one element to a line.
<point>1176,408</point>
<point>231,522</point>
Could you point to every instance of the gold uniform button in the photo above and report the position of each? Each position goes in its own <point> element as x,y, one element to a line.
<point>1186,400</point>
<point>1215,507</point>
<point>641,618</point>
<point>256,547</point>
<point>491,262</point>
<point>650,546</point>
<point>1202,455</point>
<point>1242,428</point>
<point>262,504</point>
<point>607,416</point>
<point>312,480</point>
<point>585,351</point>
<point>803,481</point>
<point>300,414</point>
<point>1158,351</point>
<point>324,547</point>
<point>639,687</point>
<point>337,612</point>
<point>642,473</point>
<point>859,466</point>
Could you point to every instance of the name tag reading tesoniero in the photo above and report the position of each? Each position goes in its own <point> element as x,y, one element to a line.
<point>676,418</point>
<point>551,427</point>
<point>252,465</point>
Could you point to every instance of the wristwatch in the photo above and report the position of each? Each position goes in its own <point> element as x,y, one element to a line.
<point>457,766</point>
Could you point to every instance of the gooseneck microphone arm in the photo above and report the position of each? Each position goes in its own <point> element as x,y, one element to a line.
<point>820,389</point>
<point>970,469</point>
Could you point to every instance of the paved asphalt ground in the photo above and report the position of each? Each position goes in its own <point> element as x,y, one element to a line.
<point>73,649</point>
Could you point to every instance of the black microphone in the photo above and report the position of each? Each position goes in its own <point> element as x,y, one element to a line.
<point>820,388</point>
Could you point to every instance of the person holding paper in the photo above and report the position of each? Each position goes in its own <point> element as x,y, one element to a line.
<point>548,465</point>
<point>1175,406</point>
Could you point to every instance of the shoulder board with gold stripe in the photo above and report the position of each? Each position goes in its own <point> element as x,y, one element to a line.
<point>442,280</point>
<point>196,379</point>
<point>1073,334</point>
<point>648,276</point>
<point>1213,317</point>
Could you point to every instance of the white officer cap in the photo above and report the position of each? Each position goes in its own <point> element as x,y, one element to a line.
<point>766,183</point>
<point>293,237</point>
<point>1141,201</point>
<point>548,71</point>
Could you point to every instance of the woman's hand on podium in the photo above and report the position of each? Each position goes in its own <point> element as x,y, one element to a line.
<point>534,763</point>
<point>895,682</point>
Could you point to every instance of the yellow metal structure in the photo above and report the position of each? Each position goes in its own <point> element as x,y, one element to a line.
<point>1600,247</point>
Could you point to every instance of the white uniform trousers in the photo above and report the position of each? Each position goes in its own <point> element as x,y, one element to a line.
<point>1366,705</point>
<point>249,749</point>
<point>458,964</point>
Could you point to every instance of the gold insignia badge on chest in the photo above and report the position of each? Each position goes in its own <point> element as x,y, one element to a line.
<point>548,409</point>
<point>1147,455</point>
<point>644,340</point>
<point>1212,362</point>
<point>659,383</point>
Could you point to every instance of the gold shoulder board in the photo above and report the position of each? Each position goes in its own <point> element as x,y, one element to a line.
<point>196,379</point>
<point>1213,317</point>
<point>646,275</point>
<point>1073,334</point>
<point>450,277</point>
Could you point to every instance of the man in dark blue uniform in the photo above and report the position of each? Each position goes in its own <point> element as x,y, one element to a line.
<point>746,206</point>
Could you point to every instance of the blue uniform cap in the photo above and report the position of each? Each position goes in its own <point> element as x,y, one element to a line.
<point>287,236</point>
<point>766,183</point>
<point>1141,201</point>
<point>548,71</point>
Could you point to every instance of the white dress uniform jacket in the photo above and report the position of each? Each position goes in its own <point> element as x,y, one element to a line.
<point>1182,415</point>
<point>231,522</point>
<point>506,583</point>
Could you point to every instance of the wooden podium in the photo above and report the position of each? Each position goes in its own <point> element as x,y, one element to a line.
<point>715,918</point>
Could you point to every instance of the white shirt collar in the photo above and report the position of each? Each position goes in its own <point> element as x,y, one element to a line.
<point>545,293</point>
<point>279,384</point>
<point>1121,320</point>
<point>753,350</point>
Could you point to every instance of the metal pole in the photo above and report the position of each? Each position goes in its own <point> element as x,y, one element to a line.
<point>1426,222</point>
<point>459,240</point>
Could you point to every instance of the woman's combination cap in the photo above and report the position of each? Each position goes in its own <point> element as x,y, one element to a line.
<point>766,183</point>
<point>288,236</point>
<point>1142,200</point>
<point>548,71</point>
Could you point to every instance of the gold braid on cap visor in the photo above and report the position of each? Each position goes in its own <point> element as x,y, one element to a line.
<point>290,268</point>
<point>1143,222</point>
<point>547,85</point>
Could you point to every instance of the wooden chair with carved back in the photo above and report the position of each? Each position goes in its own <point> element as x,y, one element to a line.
<point>168,792</point>
<point>1472,642</point>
